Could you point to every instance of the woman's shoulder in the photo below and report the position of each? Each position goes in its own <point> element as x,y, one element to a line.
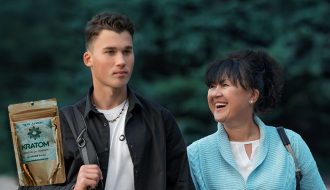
<point>271,132</point>
<point>203,146</point>
<point>205,141</point>
<point>292,135</point>
<point>297,142</point>
<point>202,151</point>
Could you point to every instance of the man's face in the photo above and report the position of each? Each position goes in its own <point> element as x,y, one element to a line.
<point>111,59</point>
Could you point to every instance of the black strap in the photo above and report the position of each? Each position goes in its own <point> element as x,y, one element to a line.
<point>86,146</point>
<point>78,127</point>
<point>286,143</point>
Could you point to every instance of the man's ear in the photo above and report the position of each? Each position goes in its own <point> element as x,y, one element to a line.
<point>87,57</point>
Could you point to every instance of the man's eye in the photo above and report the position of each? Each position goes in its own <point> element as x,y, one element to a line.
<point>127,52</point>
<point>110,52</point>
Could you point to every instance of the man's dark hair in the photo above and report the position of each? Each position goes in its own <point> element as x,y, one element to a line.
<point>107,21</point>
<point>250,69</point>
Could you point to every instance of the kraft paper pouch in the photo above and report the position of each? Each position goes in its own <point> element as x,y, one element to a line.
<point>36,134</point>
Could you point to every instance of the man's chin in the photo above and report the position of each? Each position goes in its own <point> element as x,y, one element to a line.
<point>120,84</point>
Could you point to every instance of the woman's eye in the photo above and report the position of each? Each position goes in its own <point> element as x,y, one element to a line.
<point>211,86</point>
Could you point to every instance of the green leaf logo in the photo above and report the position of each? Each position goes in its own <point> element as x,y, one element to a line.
<point>34,133</point>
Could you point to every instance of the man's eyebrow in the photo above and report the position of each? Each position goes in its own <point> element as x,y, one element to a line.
<point>114,48</point>
<point>109,48</point>
<point>128,47</point>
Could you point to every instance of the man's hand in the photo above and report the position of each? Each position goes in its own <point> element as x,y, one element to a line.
<point>88,177</point>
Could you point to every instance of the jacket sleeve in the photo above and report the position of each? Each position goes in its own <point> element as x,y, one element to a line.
<point>193,157</point>
<point>178,173</point>
<point>311,178</point>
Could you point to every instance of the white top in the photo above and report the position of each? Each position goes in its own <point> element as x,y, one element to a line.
<point>244,163</point>
<point>120,167</point>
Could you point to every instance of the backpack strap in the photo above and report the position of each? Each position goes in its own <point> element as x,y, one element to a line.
<point>78,128</point>
<point>286,143</point>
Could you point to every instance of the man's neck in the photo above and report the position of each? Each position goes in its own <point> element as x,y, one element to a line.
<point>107,98</point>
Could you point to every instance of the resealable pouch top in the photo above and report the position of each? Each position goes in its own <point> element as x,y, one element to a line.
<point>36,134</point>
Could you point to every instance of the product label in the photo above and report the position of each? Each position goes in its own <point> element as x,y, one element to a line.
<point>36,140</point>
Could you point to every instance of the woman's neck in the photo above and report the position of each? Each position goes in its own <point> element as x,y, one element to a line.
<point>242,131</point>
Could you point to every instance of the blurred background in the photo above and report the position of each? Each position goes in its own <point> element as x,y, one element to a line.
<point>42,44</point>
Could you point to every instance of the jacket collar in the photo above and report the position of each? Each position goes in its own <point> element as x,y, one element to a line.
<point>132,99</point>
<point>225,148</point>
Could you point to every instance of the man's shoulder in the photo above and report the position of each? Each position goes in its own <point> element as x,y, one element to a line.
<point>80,104</point>
<point>148,104</point>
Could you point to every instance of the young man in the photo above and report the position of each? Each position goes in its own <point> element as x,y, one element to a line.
<point>138,143</point>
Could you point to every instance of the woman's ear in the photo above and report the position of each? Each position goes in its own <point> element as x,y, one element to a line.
<point>254,95</point>
<point>88,61</point>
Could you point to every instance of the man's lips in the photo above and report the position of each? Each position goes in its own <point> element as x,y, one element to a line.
<point>120,73</point>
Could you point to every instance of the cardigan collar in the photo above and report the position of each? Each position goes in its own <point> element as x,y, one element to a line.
<point>225,148</point>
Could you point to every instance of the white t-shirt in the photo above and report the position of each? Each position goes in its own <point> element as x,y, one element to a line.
<point>120,167</point>
<point>244,163</point>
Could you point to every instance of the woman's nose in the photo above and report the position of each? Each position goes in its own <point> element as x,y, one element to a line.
<point>217,91</point>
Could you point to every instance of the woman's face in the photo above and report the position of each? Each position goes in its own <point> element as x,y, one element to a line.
<point>229,103</point>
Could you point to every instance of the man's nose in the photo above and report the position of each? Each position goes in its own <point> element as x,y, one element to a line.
<point>120,59</point>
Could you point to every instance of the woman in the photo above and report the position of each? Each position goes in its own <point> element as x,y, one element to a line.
<point>244,153</point>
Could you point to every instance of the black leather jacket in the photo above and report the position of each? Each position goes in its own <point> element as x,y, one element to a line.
<point>157,148</point>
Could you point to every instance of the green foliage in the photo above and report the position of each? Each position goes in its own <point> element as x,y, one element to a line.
<point>42,46</point>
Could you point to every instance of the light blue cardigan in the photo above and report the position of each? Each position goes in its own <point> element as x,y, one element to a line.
<point>213,167</point>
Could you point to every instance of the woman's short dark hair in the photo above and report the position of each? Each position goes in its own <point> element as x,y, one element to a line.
<point>252,69</point>
<point>107,21</point>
